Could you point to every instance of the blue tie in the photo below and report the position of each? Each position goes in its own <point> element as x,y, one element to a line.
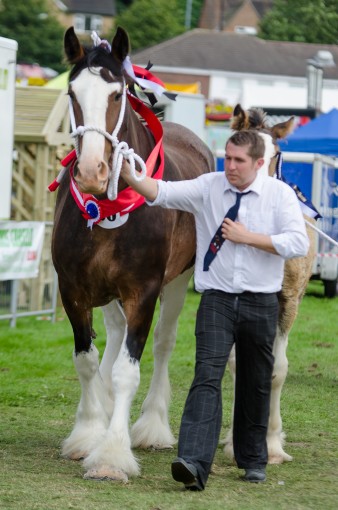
<point>217,240</point>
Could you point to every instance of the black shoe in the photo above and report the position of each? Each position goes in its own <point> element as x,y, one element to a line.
<point>185,472</point>
<point>255,475</point>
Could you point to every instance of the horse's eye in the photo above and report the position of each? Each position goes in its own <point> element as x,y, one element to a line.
<point>117,97</point>
<point>71,94</point>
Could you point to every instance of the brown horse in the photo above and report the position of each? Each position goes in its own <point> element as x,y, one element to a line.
<point>149,255</point>
<point>297,273</point>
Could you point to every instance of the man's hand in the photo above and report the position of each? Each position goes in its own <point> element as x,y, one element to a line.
<point>147,187</point>
<point>238,233</point>
<point>234,231</point>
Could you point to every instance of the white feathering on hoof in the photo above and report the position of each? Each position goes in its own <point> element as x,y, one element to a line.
<point>270,151</point>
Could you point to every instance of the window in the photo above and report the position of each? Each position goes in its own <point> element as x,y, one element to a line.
<point>86,23</point>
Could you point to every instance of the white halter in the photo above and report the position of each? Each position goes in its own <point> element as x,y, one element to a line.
<point>121,149</point>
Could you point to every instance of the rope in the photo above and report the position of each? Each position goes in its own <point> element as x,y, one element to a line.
<point>320,232</point>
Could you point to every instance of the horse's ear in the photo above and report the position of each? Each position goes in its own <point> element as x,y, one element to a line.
<point>281,130</point>
<point>120,46</point>
<point>240,119</point>
<point>73,49</point>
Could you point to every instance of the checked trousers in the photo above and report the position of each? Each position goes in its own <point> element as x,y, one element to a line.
<point>249,320</point>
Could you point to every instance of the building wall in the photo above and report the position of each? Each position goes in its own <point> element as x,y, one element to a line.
<point>268,91</point>
<point>68,20</point>
<point>172,77</point>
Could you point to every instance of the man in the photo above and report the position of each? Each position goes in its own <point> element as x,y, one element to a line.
<point>239,270</point>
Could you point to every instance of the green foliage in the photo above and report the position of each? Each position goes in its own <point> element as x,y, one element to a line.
<point>39,35</point>
<point>309,21</point>
<point>149,23</point>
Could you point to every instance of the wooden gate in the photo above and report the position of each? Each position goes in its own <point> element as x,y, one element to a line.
<point>41,140</point>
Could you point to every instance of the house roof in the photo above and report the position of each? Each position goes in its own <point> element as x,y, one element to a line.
<point>226,51</point>
<point>103,7</point>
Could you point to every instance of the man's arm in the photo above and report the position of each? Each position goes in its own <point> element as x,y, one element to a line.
<point>148,187</point>
<point>238,233</point>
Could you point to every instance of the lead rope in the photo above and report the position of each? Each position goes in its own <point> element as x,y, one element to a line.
<point>121,149</point>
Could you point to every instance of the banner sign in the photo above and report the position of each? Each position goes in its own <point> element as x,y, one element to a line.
<point>20,249</point>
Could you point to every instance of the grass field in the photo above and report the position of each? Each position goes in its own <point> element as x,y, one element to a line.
<point>39,392</point>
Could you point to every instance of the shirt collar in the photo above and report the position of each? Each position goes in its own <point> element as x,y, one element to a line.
<point>256,186</point>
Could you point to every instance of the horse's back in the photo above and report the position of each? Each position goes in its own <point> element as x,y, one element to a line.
<point>189,155</point>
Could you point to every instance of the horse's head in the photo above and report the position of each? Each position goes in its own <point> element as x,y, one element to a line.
<point>96,90</point>
<point>255,118</point>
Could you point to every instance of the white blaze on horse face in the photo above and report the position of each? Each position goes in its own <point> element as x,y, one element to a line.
<point>270,151</point>
<point>92,93</point>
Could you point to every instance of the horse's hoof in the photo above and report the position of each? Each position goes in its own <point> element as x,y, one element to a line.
<point>280,458</point>
<point>158,446</point>
<point>106,473</point>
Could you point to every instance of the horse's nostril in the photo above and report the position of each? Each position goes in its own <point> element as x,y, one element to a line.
<point>103,170</point>
<point>75,169</point>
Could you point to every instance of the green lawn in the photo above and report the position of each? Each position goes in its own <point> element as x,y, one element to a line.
<point>39,393</point>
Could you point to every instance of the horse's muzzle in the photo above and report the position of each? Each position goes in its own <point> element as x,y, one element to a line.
<point>89,181</point>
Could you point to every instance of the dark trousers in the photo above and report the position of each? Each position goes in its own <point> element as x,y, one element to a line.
<point>249,320</point>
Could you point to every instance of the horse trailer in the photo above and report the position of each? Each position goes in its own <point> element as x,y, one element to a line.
<point>317,177</point>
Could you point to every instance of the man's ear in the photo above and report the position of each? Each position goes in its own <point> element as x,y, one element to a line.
<point>259,163</point>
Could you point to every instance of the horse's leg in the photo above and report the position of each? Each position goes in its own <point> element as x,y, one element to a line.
<point>275,436</point>
<point>91,417</point>
<point>228,442</point>
<point>113,458</point>
<point>152,428</point>
<point>115,324</point>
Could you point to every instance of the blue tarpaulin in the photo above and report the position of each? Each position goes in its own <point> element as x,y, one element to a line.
<point>319,136</point>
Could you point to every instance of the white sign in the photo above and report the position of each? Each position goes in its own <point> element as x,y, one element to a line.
<point>8,49</point>
<point>20,249</point>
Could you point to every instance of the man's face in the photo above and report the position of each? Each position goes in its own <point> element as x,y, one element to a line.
<point>240,168</point>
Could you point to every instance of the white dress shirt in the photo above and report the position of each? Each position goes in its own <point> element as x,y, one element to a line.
<point>271,208</point>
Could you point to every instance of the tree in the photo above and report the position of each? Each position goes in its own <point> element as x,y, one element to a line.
<point>148,22</point>
<point>39,35</point>
<point>309,21</point>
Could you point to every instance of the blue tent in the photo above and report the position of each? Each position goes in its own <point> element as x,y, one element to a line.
<point>319,136</point>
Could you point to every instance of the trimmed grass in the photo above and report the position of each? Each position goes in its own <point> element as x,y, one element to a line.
<point>39,392</point>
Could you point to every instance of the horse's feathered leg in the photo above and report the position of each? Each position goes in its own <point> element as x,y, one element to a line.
<point>91,417</point>
<point>275,436</point>
<point>152,429</point>
<point>113,458</point>
<point>115,324</point>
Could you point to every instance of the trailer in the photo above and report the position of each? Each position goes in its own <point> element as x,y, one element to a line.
<point>317,177</point>
<point>8,50</point>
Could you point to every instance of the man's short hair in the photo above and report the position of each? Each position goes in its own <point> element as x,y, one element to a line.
<point>250,138</point>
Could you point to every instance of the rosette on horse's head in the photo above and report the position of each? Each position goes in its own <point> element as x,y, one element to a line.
<point>102,89</point>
